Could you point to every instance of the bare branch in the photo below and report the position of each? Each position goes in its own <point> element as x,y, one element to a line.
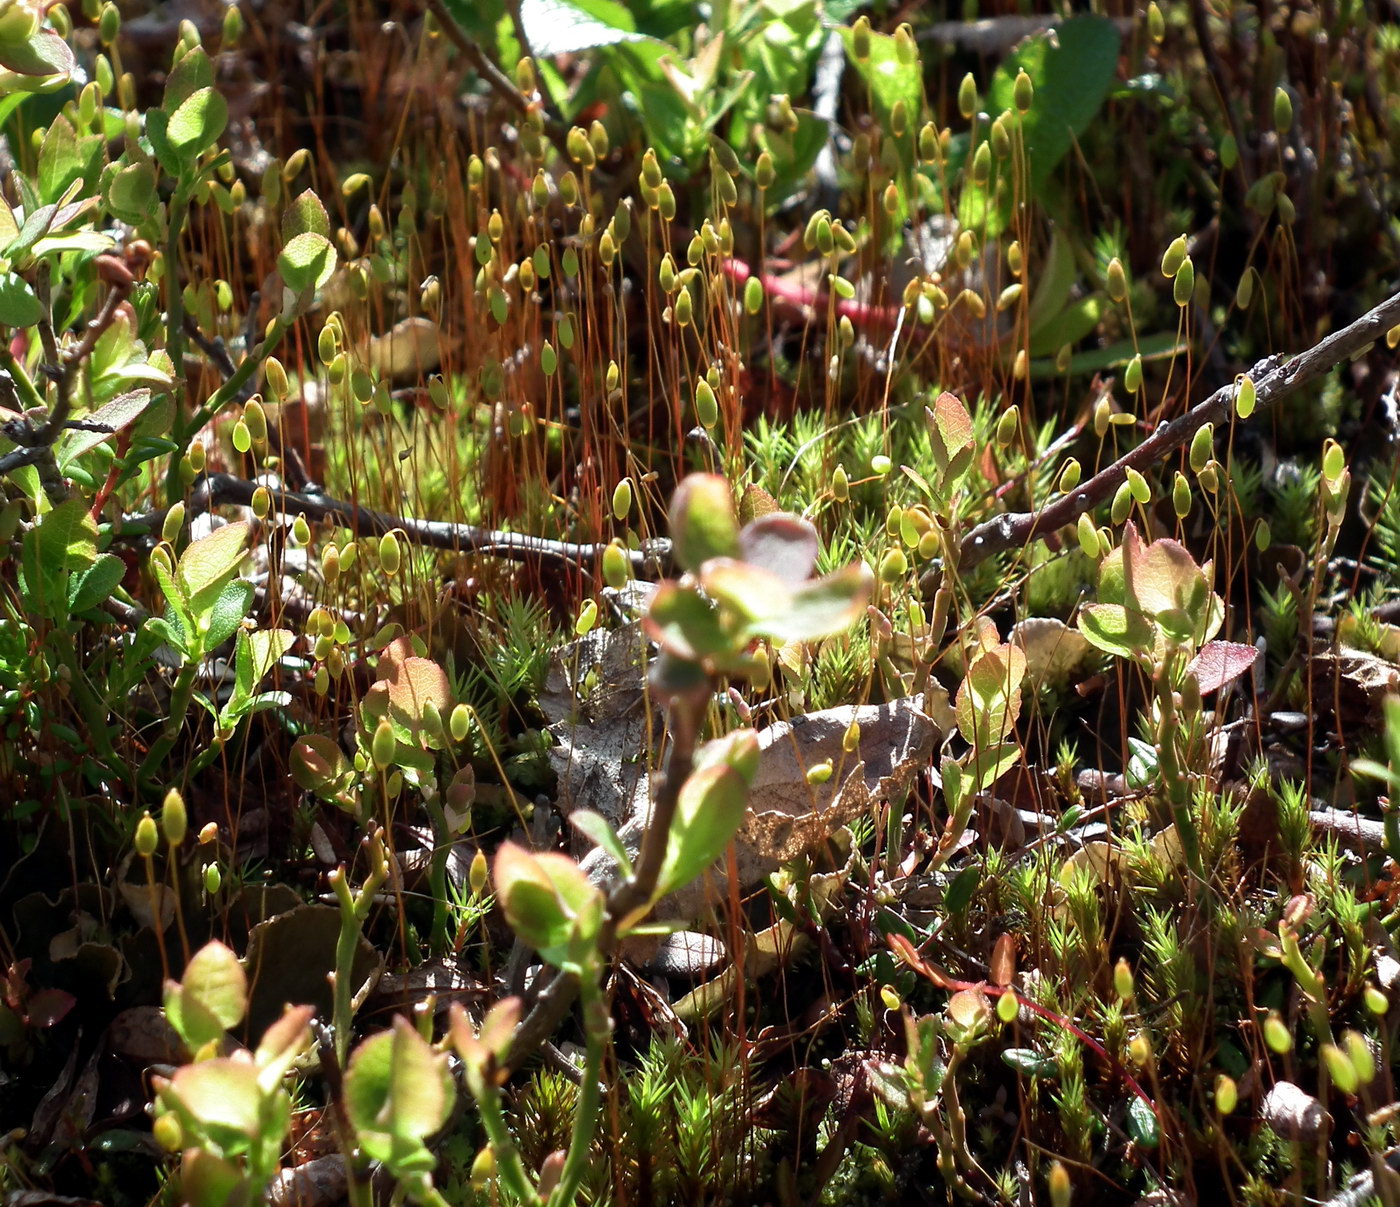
<point>1273,382</point>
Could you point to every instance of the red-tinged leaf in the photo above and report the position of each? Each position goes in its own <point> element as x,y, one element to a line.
<point>49,1007</point>
<point>784,544</point>
<point>1221,662</point>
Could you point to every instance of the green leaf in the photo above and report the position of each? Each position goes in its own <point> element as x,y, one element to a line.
<point>307,262</point>
<point>215,978</point>
<point>595,827</point>
<point>209,562</point>
<point>959,893</point>
<point>90,587</point>
<point>305,214</point>
<point>258,652</point>
<point>702,520</point>
<point>1073,68</point>
<point>320,766</point>
<point>226,612</point>
<point>1069,326</point>
<point>196,125</point>
<point>1030,1062</point>
<point>64,540</point>
<point>1115,630</point>
<point>823,608</point>
<point>398,1092</point>
<point>708,815</point>
<point>547,900</point>
<point>555,27</point>
<point>220,1098</point>
<point>951,438</point>
<point>1142,1123</point>
<point>193,72</point>
<point>131,192</point>
<point>116,414</point>
<point>64,158</point>
<point>43,55</point>
<point>19,307</point>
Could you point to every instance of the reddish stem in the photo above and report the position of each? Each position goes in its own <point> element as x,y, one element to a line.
<point>906,951</point>
<point>798,302</point>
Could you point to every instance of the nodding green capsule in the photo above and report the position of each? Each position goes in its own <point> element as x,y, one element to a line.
<point>1015,260</point>
<point>147,836</point>
<point>1263,535</point>
<point>1181,495</point>
<point>753,295</point>
<point>109,24</point>
<point>587,618</point>
<point>764,173</point>
<point>301,531</point>
<point>1088,535</point>
<point>982,164</point>
<point>967,96</point>
<point>549,359</point>
<point>684,309</point>
<point>242,437</point>
<point>256,419</point>
<point>1122,504</point>
<point>860,38</point>
<point>173,523</point>
<point>327,345</point>
<point>1132,375</point>
<point>1184,284</point>
<point>1023,92</point>
<point>1174,256</point>
<point>666,202</point>
<point>1069,476</point>
<point>1376,1001</point>
<point>905,48</point>
<point>1245,396</point>
<point>213,877</point>
<point>706,405</point>
<point>1156,23</point>
<point>1283,110</point>
<point>622,499</point>
<point>651,169</point>
<point>174,820</point>
<point>1000,138</point>
<point>1137,484</point>
<point>899,118</point>
<point>1008,1007</point>
<point>893,566</point>
<point>1333,460</point>
<point>881,464</point>
<point>928,143</point>
<point>1009,296</point>
<point>1209,477</point>
<point>390,557</point>
<point>840,484</point>
<point>1202,445</point>
<point>261,502</point>
<point>616,569</point>
<point>1008,425</point>
<point>459,722</point>
<point>1229,152</point>
<point>383,745</point>
<point>666,274</point>
<point>819,773</point>
<point>1117,280</point>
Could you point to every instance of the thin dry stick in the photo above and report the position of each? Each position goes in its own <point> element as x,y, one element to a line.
<point>219,488</point>
<point>1274,380</point>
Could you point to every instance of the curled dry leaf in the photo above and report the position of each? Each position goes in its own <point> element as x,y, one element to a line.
<point>787,815</point>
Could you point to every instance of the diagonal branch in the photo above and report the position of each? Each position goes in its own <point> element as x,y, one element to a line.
<point>1275,382</point>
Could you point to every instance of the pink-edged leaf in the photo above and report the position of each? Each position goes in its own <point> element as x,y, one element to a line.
<point>1221,662</point>
<point>782,543</point>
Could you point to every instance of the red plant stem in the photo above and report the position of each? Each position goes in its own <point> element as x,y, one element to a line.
<point>906,952</point>
<point>798,302</point>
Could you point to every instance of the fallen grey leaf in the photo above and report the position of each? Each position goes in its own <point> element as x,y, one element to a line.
<point>789,816</point>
